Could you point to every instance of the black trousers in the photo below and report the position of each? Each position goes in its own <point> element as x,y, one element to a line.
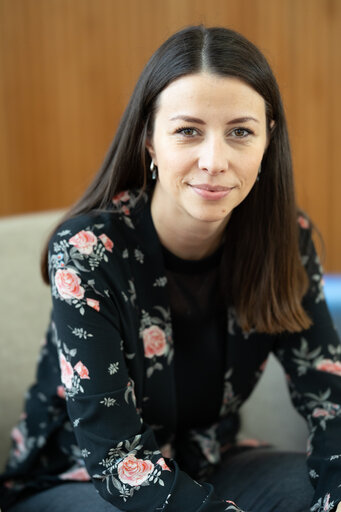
<point>257,480</point>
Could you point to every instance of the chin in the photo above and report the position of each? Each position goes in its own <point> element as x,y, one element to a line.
<point>211,216</point>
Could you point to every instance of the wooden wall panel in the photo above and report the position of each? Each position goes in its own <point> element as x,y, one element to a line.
<point>333,131</point>
<point>67,68</point>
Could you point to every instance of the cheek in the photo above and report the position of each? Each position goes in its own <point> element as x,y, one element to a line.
<point>173,166</point>
<point>170,178</point>
<point>249,167</point>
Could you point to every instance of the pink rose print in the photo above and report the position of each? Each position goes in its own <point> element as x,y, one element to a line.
<point>303,222</point>
<point>326,502</point>
<point>161,462</point>
<point>327,365</point>
<point>317,412</point>
<point>108,244</point>
<point>134,471</point>
<point>84,241</point>
<point>154,341</point>
<point>121,196</point>
<point>125,210</point>
<point>67,371</point>
<point>82,370</point>
<point>68,284</point>
<point>61,391</point>
<point>19,440</point>
<point>232,506</point>
<point>93,304</point>
<point>79,474</point>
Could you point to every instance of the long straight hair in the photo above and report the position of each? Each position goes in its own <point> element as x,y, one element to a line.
<point>268,281</point>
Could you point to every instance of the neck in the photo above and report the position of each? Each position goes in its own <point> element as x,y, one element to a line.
<point>190,239</point>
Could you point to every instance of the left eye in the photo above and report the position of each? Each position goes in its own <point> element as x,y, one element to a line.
<point>240,132</point>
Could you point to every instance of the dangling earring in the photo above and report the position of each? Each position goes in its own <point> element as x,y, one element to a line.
<point>259,171</point>
<point>153,170</point>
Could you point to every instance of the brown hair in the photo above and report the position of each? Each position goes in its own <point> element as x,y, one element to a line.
<point>268,280</point>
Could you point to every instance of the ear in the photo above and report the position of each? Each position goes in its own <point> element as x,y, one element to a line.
<point>150,149</point>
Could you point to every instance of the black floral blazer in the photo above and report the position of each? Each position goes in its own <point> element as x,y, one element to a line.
<point>103,406</point>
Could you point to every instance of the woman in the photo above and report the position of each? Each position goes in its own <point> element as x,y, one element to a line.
<point>170,287</point>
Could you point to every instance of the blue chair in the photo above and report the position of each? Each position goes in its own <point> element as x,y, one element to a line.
<point>332,290</point>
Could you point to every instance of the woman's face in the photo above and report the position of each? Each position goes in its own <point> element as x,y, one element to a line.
<point>208,141</point>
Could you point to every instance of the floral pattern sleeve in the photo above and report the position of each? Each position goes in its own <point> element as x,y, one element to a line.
<point>312,361</point>
<point>119,451</point>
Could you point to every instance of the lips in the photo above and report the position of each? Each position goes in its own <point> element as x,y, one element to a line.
<point>211,188</point>
<point>211,192</point>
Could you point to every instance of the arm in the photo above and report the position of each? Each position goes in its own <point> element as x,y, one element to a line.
<point>120,451</point>
<point>311,360</point>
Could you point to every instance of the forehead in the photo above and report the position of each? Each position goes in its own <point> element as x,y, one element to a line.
<point>208,92</point>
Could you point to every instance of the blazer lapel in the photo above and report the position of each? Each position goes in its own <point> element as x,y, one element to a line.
<point>155,326</point>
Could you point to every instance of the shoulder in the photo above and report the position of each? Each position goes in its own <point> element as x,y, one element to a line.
<point>98,243</point>
<point>88,253</point>
<point>93,253</point>
<point>307,232</point>
<point>83,231</point>
<point>81,256</point>
<point>82,244</point>
<point>309,256</point>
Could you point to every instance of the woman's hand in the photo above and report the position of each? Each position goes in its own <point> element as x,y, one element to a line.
<point>339,507</point>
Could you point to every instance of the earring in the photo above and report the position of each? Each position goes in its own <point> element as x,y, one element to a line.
<point>153,170</point>
<point>259,171</point>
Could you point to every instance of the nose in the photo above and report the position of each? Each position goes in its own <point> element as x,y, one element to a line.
<point>213,157</point>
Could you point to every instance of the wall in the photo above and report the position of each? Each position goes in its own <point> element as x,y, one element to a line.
<point>67,68</point>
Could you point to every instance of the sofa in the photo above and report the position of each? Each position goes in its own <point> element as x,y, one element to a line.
<point>24,309</point>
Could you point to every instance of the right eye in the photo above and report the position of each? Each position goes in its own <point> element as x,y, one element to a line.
<point>187,131</point>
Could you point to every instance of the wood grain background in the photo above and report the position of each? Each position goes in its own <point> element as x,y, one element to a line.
<point>67,68</point>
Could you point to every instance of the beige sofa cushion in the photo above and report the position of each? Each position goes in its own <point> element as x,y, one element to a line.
<point>24,309</point>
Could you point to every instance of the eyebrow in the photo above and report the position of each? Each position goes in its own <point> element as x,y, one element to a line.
<point>243,120</point>
<point>191,119</point>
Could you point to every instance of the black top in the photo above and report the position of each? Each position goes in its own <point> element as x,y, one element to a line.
<point>199,331</point>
